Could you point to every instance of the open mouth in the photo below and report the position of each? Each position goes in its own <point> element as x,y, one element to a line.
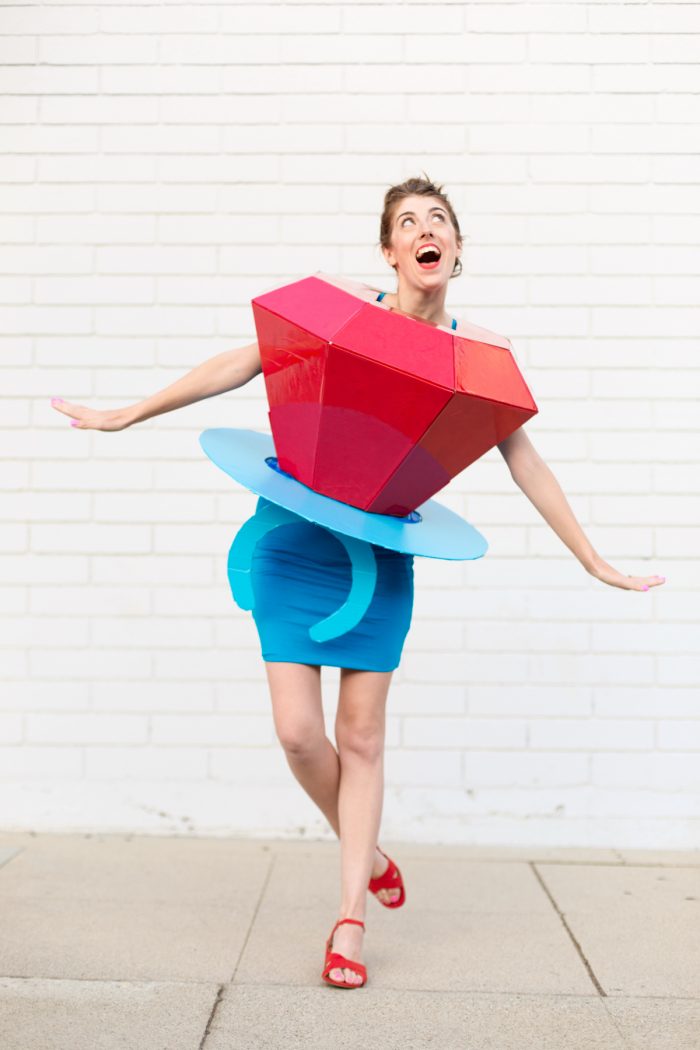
<point>428,256</point>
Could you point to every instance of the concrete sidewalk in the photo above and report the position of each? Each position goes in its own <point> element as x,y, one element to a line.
<point>150,943</point>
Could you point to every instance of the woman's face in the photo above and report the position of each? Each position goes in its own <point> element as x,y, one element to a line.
<point>424,242</point>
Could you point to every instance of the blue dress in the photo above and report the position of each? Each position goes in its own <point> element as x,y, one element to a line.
<point>300,573</point>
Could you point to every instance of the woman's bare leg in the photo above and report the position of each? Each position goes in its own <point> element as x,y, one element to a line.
<point>297,711</point>
<point>360,734</point>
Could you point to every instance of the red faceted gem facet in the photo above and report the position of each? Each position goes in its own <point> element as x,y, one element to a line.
<point>375,408</point>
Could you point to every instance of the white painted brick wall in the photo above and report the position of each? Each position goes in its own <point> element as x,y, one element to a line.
<point>160,165</point>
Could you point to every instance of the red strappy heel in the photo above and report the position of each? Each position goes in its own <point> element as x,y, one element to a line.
<point>335,960</point>
<point>390,880</point>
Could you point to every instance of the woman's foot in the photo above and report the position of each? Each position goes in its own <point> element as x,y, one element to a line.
<point>347,941</point>
<point>381,863</point>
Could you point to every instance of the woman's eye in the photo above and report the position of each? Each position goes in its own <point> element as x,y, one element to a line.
<point>406,218</point>
<point>437,215</point>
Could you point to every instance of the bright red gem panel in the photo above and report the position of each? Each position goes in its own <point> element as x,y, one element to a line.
<point>374,408</point>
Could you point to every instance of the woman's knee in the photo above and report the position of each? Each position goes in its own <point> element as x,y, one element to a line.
<point>297,711</point>
<point>299,737</point>
<point>363,738</point>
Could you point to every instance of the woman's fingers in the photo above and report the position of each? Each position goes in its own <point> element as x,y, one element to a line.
<point>68,408</point>
<point>607,574</point>
<point>637,583</point>
<point>643,583</point>
<point>84,418</point>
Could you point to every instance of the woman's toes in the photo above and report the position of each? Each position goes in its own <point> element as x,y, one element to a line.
<point>349,976</point>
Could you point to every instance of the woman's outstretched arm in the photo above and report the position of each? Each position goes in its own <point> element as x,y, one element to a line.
<point>218,374</point>
<point>533,476</point>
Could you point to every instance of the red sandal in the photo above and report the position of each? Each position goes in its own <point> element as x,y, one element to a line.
<point>390,880</point>
<point>335,960</point>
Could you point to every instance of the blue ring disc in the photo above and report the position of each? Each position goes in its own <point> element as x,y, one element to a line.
<point>440,533</point>
<point>272,461</point>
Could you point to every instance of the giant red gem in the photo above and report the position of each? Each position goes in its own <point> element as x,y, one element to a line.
<point>375,408</point>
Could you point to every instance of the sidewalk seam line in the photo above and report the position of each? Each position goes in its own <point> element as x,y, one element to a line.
<point>263,890</point>
<point>220,992</point>
<point>589,969</point>
<point>210,1019</point>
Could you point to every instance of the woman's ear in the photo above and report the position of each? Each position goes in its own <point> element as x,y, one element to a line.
<point>388,254</point>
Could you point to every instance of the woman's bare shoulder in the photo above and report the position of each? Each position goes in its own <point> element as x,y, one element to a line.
<point>479,334</point>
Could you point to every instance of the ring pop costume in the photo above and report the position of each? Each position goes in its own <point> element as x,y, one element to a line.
<point>371,412</point>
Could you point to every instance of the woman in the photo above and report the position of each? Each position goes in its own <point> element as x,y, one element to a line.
<point>420,238</point>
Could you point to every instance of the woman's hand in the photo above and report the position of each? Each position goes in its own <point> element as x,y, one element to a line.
<point>602,571</point>
<point>89,418</point>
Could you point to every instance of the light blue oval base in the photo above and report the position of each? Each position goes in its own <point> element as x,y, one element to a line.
<point>440,533</point>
